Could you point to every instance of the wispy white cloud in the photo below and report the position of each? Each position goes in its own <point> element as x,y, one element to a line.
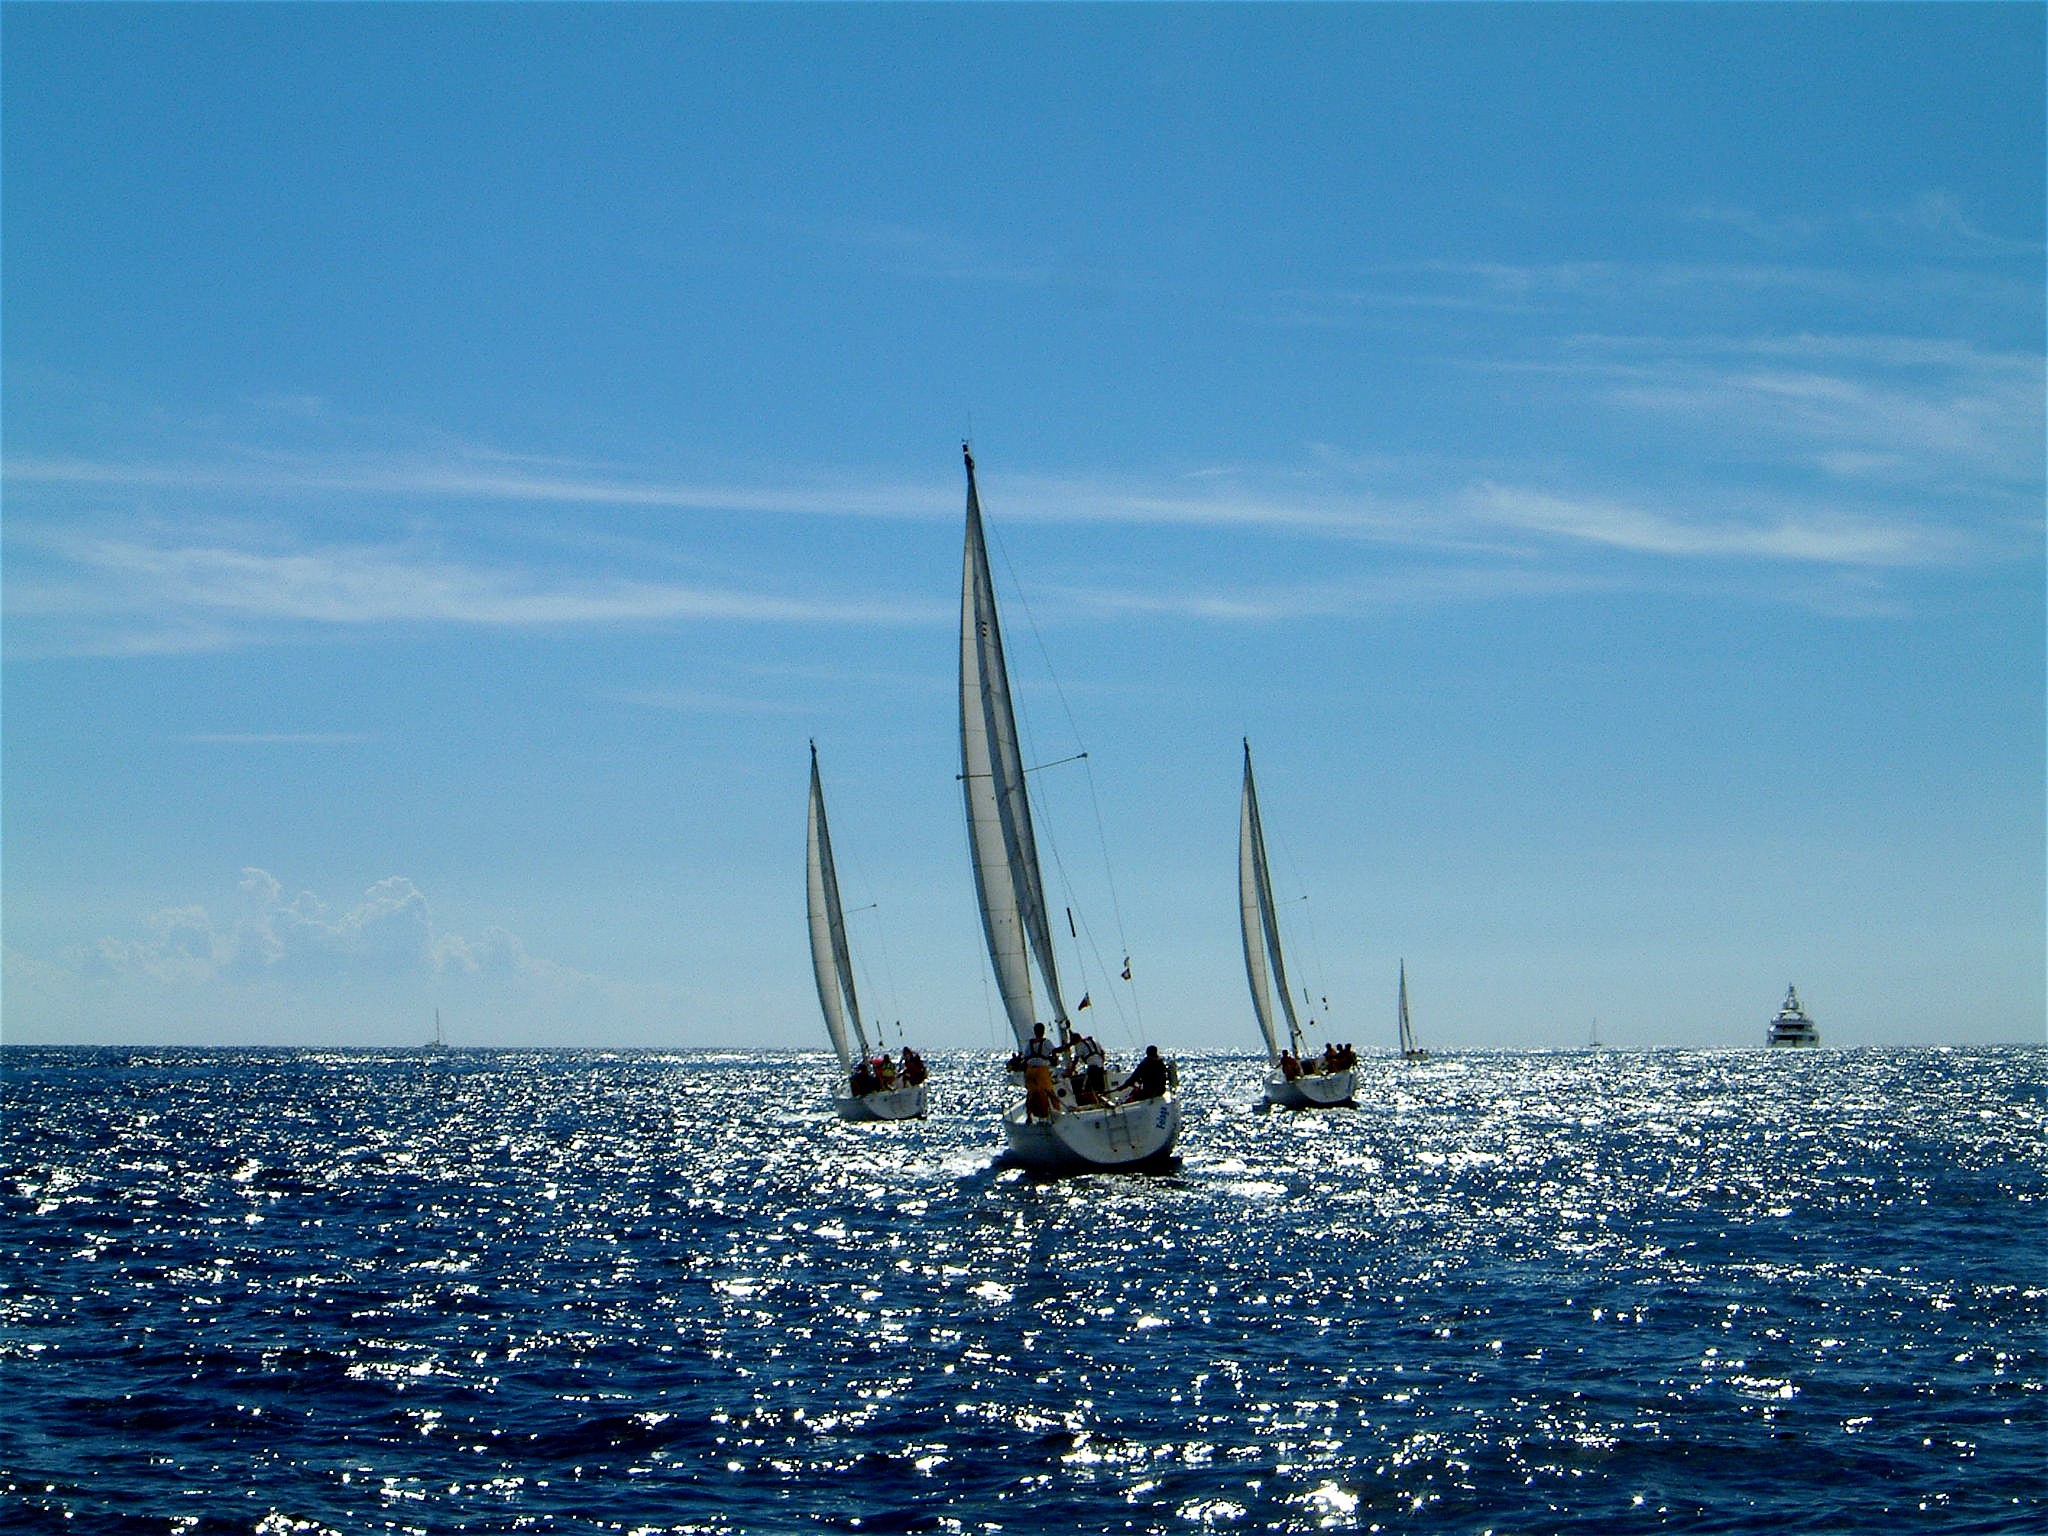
<point>459,478</point>
<point>269,935</point>
<point>1323,597</point>
<point>1901,408</point>
<point>1935,213</point>
<point>1819,537</point>
<point>1914,451</point>
<point>1765,229</point>
<point>687,701</point>
<point>1693,291</point>
<point>1940,212</point>
<point>196,591</point>
<point>913,250</point>
<point>276,738</point>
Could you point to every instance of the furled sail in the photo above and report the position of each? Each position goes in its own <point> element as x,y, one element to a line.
<point>1264,967</point>
<point>830,958</point>
<point>1006,872</point>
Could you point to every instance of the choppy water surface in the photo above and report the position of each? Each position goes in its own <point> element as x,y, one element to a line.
<point>582,1292</point>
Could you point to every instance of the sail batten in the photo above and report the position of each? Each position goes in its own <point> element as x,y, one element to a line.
<point>831,958</point>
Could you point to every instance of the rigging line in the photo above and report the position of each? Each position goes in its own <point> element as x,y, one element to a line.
<point>1094,799</point>
<point>874,944</point>
<point>1132,1026</point>
<point>1308,917</point>
<point>1034,768</point>
<point>1044,831</point>
<point>1089,966</point>
<point>1043,828</point>
<point>888,988</point>
<point>988,1016</point>
<point>1116,910</point>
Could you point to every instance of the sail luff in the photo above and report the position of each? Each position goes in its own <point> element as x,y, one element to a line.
<point>1250,919</point>
<point>1269,917</point>
<point>831,960</point>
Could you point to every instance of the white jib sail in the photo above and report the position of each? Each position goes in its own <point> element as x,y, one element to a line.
<point>831,960</point>
<point>1264,968</point>
<point>1006,873</point>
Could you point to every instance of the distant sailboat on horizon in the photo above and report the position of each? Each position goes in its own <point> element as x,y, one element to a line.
<point>870,1086</point>
<point>1411,1048</point>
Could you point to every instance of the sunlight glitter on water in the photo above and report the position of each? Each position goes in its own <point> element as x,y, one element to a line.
<point>1527,1292</point>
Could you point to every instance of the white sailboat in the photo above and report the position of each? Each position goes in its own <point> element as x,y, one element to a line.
<point>1011,892</point>
<point>1411,1049</point>
<point>1295,1077</point>
<point>859,1095</point>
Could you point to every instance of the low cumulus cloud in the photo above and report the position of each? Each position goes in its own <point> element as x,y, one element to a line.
<point>270,934</point>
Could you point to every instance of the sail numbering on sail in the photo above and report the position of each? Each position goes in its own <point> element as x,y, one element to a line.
<point>1296,1078</point>
<point>1066,1120</point>
<point>871,1086</point>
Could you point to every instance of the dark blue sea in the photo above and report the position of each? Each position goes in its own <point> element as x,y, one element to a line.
<point>352,1291</point>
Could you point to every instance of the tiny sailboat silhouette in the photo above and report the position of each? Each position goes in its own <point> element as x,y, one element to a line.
<point>871,1086</point>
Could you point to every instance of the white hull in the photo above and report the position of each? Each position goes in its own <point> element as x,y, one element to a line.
<point>890,1104</point>
<point>1804,1038</point>
<point>1316,1090</point>
<point>1099,1136</point>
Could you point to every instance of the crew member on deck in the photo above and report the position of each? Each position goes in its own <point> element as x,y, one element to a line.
<point>1147,1079</point>
<point>1039,1058</point>
<point>1091,1068</point>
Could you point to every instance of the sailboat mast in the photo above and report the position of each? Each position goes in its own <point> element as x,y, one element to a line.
<point>1407,1031</point>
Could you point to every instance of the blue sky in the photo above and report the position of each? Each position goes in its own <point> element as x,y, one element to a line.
<point>457,456</point>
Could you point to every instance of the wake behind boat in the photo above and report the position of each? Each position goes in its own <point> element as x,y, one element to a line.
<point>1066,1120</point>
<point>871,1086</point>
<point>1295,1078</point>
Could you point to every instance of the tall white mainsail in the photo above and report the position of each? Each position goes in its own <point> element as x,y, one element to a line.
<point>1264,967</point>
<point>1006,873</point>
<point>830,958</point>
